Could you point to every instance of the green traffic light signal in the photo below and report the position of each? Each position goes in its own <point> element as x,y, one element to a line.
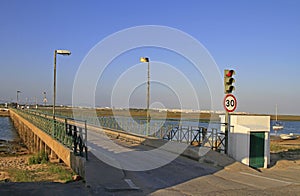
<point>228,81</point>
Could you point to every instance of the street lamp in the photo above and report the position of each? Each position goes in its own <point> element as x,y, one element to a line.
<point>18,98</point>
<point>146,60</point>
<point>61,52</point>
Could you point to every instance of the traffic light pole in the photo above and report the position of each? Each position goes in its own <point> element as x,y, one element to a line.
<point>228,88</point>
<point>226,131</point>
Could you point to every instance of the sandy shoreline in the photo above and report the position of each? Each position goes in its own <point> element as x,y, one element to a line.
<point>10,148</point>
<point>284,153</point>
<point>14,156</point>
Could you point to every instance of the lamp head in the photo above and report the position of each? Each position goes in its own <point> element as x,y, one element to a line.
<point>63,52</point>
<point>144,59</point>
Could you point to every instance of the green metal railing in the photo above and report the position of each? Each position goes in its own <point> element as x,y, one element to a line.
<point>61,129</point>
<point>193,135</point>
<point>128,124</point>
<point>168,130</point>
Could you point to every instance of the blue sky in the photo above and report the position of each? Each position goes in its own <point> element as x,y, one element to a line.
<point>259,39</point>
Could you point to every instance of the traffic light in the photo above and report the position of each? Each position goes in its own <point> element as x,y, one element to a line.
<point>228,81</point>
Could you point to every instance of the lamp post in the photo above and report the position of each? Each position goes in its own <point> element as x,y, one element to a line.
<point>61,52</point>
<point>146,60</point>
<point>18,98</point>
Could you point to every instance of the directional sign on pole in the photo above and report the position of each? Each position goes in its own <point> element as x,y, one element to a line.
<point>230,103</point>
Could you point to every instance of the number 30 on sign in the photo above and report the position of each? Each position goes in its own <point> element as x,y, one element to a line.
<point>230,103</point>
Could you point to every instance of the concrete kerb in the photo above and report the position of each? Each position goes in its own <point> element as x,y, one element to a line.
<point>201,154</point>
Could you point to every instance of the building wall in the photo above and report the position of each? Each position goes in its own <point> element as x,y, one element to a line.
<point>239,136</point>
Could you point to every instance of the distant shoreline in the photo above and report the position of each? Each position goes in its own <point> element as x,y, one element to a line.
<point>286,117</point>
<point>279,117</point>
<point>155,114</point>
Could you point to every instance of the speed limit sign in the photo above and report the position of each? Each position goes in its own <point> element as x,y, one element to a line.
<point>230,103</point>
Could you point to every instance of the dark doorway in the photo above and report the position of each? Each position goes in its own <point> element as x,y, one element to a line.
<point>257,149</point>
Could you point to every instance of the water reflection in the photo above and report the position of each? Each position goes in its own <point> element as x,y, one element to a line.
<point>7,130</point>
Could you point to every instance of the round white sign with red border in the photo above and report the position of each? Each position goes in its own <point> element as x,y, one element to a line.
<point>230,103</point>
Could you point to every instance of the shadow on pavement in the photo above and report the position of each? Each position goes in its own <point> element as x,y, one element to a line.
<point>42,188</point>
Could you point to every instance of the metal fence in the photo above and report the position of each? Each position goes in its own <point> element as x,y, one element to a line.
<point>70,132</point>
<point>196,136</point>
<point>169,130</point>
<point>166,130</point>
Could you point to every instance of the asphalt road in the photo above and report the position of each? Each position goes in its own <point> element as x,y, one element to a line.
<point>180,176</point>
<point>116,168</point>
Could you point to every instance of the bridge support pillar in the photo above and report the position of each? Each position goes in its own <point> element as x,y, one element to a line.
<point>30,137</point>
<point>34,142</point>
<point>37,144</point>
<point>47,151</point>
<point>53,155</point>
<point>42,146</point>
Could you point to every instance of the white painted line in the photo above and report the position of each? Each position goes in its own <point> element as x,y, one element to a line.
<point>266,178</point>
<point>131,184</point>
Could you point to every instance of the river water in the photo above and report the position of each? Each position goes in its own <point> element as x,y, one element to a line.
<point>289,127</point>
<point>9,133</point>
<point>7,129</point>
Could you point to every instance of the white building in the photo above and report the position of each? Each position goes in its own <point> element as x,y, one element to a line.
<point>249,139</point>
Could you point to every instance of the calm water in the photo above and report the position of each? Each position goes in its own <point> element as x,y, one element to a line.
<point>7,130</point>
<point>289,127</point>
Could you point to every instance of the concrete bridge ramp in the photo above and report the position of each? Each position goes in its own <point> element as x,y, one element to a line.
<point>102,176</point>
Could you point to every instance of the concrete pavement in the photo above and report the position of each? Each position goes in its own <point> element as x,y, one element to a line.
<point>236,180</point>
<point>184,176</point>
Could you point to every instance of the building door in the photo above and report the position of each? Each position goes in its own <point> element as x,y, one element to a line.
<point>257,149</point>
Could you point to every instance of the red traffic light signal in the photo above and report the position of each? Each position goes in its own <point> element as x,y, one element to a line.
<point>228,81</point>
<point>230,73</point>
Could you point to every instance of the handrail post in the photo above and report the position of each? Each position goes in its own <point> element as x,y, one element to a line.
<point>86,148</point>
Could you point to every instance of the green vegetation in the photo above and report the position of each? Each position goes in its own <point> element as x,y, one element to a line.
<point>39,158</point>
<point>19,175</point>
<point>39,169</point>
<point>48,173</point>
<point>51,170</point>
<point>63,174</point>
<point>277,147</point>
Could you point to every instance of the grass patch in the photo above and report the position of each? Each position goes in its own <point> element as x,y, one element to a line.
<point>39,158</point>
<point>274,147</point>
<point>37,168</point>
<point>19,175</point>
<point>49,172</point>
<point>62,173</point>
